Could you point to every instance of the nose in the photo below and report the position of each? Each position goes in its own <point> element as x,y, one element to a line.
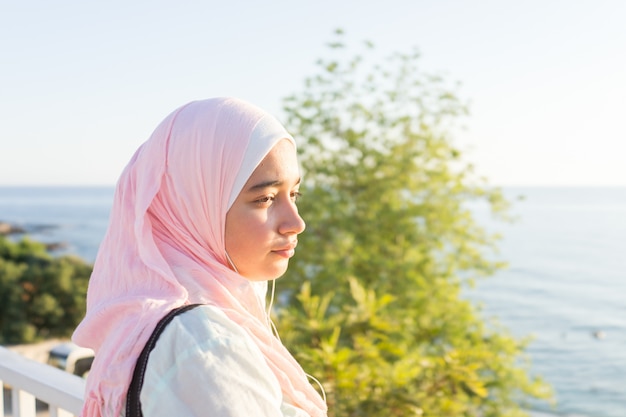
<point>291,222</point>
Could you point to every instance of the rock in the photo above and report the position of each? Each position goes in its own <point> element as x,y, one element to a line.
<point>56,246</point>
<point>39,228</point>
<point>599,334</point>
<point>10,229</point>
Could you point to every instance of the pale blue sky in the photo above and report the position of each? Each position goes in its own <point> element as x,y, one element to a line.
<point>83,83</point>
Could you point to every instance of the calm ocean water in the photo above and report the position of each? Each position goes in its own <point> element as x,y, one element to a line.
<point>565,285</point>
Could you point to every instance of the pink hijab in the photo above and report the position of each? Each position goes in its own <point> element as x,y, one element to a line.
<point>165,247</point>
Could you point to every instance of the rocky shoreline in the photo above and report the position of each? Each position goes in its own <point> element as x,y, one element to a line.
<point>12,229</point>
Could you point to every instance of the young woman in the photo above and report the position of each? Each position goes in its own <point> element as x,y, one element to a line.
<point>205,213</point>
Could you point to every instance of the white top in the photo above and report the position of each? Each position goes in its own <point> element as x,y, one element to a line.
<point>204,364</point>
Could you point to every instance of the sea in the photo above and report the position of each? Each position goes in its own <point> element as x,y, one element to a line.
<point>565,284</point>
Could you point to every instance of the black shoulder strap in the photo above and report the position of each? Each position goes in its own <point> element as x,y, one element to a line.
<point>133,404</point>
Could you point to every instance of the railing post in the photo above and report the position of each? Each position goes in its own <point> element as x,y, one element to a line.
<point>23,404</point>
<point>2,399</point>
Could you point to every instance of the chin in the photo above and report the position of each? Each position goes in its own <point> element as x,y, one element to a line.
<point>268,275</point>
<point>279,271</point>
<point>276,275</point>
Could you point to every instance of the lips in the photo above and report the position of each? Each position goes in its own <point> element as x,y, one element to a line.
<point>286,251</point>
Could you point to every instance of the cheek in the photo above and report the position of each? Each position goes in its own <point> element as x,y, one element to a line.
<point>244,233</point>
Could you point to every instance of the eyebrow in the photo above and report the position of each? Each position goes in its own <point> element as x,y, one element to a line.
<point>268,184</point>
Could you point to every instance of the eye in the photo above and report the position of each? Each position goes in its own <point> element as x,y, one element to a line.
<point>265,201</point>
<point>295,196</point>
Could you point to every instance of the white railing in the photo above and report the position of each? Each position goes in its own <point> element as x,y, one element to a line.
<point>29,381</point>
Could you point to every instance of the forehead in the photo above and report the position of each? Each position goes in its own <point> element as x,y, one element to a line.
<point>280,164</point>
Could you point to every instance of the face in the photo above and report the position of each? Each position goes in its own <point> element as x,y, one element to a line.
<point>263,224</point>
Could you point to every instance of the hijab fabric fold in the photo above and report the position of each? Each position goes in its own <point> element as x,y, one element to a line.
<point>164,247</point>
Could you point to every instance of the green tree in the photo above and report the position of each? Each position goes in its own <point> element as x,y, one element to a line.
<point>372,302</point>
<point>40,295</point>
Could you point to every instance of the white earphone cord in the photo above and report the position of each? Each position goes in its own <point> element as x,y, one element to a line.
<point>275,331</point>
<point>272,326</point>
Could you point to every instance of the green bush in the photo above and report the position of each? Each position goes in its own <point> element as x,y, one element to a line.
<point>372,304</point>
<point>40,296</point>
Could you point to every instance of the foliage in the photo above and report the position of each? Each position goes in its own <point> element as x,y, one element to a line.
<point>372,302</point>
<point>40,296</point>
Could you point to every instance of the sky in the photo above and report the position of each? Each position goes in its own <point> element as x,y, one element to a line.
<point>84,83</point>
